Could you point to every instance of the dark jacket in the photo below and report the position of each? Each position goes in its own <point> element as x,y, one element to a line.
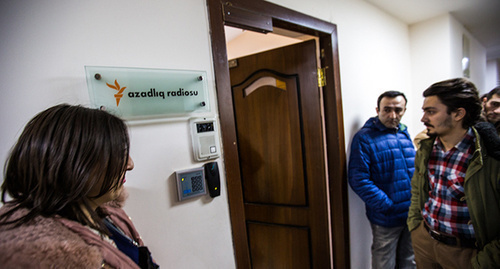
<point>381,165</point>
<point>481,188</point>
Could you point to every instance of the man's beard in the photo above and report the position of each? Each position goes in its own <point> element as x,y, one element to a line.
<point>446,123</point>
<point>431,135</point>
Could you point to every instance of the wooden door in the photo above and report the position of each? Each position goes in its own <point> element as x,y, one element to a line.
<point>281,154</point>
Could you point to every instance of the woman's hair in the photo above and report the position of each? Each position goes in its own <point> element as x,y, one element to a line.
<point>458,93</point>
<point>63,153</point>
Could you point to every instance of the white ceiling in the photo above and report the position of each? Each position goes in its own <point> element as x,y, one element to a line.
<point>480,17</point>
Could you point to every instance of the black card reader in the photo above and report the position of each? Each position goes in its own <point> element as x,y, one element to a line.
<point>213,178</point>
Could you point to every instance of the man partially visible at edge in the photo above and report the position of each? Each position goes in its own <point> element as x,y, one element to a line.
<point>492,108</point>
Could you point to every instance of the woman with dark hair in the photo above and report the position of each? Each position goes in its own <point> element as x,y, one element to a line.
<point>63,192</point>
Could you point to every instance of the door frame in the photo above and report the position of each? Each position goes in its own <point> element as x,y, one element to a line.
<point>257,15</point>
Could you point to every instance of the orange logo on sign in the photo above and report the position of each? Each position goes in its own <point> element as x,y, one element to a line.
<point>119,95</point>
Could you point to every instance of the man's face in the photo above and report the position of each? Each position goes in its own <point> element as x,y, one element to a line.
<point>436,118</point>
<point>391,110</point>
<point>492,109</point>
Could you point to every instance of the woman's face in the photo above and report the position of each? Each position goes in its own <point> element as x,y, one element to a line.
<point>113,193</point>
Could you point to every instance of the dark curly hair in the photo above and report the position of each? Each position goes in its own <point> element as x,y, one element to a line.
<point>494,91</point>
<point>458,93</point>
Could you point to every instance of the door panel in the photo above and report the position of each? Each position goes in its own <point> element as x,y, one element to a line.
<point>270,241</point>
<point>267,115</point>
<point>281,155</point>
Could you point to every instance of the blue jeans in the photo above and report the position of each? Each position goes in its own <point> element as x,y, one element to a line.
<point>392,248</point>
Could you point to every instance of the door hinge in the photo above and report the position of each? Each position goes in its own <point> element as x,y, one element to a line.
<point>321,77</point>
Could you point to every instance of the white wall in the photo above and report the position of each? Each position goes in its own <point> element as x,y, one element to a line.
<point>44,46</point>
<point>436,55</point>
<point>476,50</point>
<point>430,58</point>
<point>492,74</point>
<point>374,57</point>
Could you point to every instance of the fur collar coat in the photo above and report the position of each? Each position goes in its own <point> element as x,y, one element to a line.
<point>55,242</point>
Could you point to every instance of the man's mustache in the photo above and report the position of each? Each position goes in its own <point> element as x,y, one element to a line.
<point>428,125</point>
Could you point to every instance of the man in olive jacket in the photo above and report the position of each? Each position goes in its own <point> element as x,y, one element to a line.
<point>454,216</point>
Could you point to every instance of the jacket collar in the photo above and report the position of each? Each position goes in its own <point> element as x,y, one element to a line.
<point>487,140</point>
<point>374,122</point>
<point>489,137</point>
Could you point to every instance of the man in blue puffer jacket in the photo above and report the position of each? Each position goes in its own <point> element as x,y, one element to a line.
<point>381,166</point>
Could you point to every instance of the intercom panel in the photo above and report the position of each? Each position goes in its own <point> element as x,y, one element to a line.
<point>205,138</point>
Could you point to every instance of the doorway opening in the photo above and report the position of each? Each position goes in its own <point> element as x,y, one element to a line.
<point>267,17</point>
<point>241,42</point>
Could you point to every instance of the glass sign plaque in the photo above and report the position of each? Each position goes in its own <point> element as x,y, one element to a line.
<point>141,93</point>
